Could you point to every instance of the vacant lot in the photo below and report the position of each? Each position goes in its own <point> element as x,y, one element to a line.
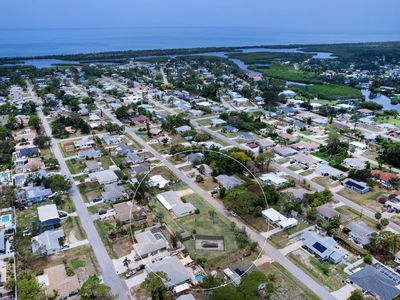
<point>327,91</point>
<point>368,200</point>
<point>287,287</point>
<point>325,273</point>
<point>90,190</point>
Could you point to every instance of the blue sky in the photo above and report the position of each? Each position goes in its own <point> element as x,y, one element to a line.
<point>343,16</point>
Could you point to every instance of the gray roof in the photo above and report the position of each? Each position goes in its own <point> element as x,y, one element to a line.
<point>183,128</point>
<point>328,170</point>
<point>326,210</point>
<point>173,268</point>
<point>104,177</point>
<point>133,158</point>
<point>377,280</point>
<point>48,240</point>
<point>47,212</point>
<point>89,153</point>
<point>360,231</point>
<point>113,192</point>
<point>193,157</point>
<point>324,247</point>
<point>123,149</point>
<point>227,181</point>
<point>173,202</point>
<point>148,243</point>
<point>186,297</point>
<point>37,191</point>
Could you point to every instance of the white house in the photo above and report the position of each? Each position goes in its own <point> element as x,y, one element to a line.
<point>272,178</point>
<point>275,217</point>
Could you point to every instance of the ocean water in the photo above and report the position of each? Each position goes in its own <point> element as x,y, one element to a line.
<point>36,42</point>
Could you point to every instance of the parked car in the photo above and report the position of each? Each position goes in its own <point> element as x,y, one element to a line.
<point>130,274</point>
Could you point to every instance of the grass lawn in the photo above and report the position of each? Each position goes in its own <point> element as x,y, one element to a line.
<point>281,240</point>
<point>72,225</point>
<point>294,167</point>
<point>103,227</point>
<point>67,205</point>
<point>81,259</point>
<point>76,166</point>
<point>388,120</point>
<point>327,91</point>
<point>368,199</point>
<point>325,273</point>
<point>27,216</point>
<point>205,122</point>
<point>287,286</point>
<point>325,181</point>
<point>106,162</point>
<point>90,190</point>
<point>307,172</point>
<point>202,223</point>
<point>347,214</point>
<point>289,73</point>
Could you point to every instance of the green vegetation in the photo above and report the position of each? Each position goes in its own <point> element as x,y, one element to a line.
<point>327,91</point>
<point>269,57</point>
<point>288,73</point>
<point>92,288</point>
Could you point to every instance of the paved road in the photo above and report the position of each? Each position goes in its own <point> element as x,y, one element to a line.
<point>320,291</point>
<point>109,274</point>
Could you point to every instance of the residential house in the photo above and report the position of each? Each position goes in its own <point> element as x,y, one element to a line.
<point>158,181</point>
<point>237,270</point>
<point>149,242</point>
<point>305,159</point>
<point>89,154</point>
<point>173,268</point>
<point>272,178</point>
<point>113,192</point>
<point>182,129</point>
<point>377,280</point>
<point>360,232</point>
<point>354,163</point>
<point>327,170</point>
<point>305,146</point>
<point>28,151</point>
<point>228,181</point>
<point>104,177</point>
<point>358,146</point>
<point>275,217</point>
<point>248,136</point>
<point>47,243</point>
<point>48,217</point>
<point>384,178</point>
<point>133,158</point>
<point>217,122</point>
<point>194,158</point>
<point>84,143</point>
<point>92,166</point>
<point>284,151</point>
<point>323,247</point>
<point>111,139</point>
<point>35,194</point>
<point>357,186</point>
<point>173,203</point>
<point>230,128</point>
<point>327,212</point>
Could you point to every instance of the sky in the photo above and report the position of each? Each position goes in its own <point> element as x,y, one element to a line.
<point>343,16</point>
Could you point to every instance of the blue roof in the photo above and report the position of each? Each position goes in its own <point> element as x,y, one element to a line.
<point>230,128</point>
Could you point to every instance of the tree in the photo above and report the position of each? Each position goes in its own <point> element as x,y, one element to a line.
<point>155,286</point>
<point>93,289</point>
<point>57,183</point>
<point>199,178</point>
<point>378,216</point>
<point>384,222</point>
<point>126,262</point>
<point>356,295</point>
<point>34,121</point>
<point>42,141</point>
<point>385,242</point>
<point>28,287</point>
<point>265,158</point>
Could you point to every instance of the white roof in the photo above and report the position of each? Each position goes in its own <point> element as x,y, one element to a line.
<point>273,215</point>
<point>182,287</point>
<point>272,177</point>
<point>158,180</point>
<point>358,144</point>
<point>288,223</point>
<point>47,212</point>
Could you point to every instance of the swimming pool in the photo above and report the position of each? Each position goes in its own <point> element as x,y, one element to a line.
<point>5,219</point>
<point>199,277</point>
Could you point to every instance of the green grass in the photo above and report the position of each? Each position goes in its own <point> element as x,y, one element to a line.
<point>294,167</point>
<point>327,91</point>
<point>268,57</point>
<point>288,73</point>
<point>75,166</point>
<point>307,172</point>
<point>77,263</point>
<point>388,120</point>
<point>281,239</point>
<point>73,224</point>
<point>103,227</point>
<point>368,200</point>
<point>202,223</point>
<point>334,277</point>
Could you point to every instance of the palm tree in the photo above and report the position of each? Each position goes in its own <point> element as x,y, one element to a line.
<point>126,262</point>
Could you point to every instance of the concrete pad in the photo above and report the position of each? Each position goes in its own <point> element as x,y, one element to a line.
<point>344,292</point>
<point>291,247</point>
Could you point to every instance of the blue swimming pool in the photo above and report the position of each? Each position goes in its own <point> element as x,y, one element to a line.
<point>199,277</point>
<point>5,218</point>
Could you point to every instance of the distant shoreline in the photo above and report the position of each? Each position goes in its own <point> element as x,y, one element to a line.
<point>110,56</point>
